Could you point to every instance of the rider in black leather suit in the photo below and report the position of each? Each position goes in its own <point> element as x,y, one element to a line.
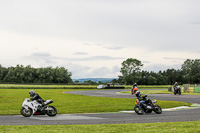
<point>35,96</point>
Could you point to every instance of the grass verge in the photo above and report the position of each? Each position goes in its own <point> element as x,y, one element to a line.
<point>24,86</point>
<point>165,127</point>
<point>69,103</point>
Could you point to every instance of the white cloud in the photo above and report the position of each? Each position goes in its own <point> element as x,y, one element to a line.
<point>80,53</point>
<point>41,54</point>
<point>114,48</point>
<point>92,35</point>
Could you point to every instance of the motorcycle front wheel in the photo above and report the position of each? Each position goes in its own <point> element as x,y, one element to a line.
<point>51,111</point>
<point>26,112</point>
<point>139,110</point>
<point>157,109</point>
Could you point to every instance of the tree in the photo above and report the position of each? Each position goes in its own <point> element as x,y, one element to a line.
<point>191,71</point>
<point>100,82</point>
<point>76,81</point>
<point>143,79</point>
<point>171,75</point>
<point>3,72</point>
<point>151,80</point>
<point>131,70</point>
<point>90,82</point>
<point>114,81</point>
<point>21,74</point>
<point>161,79</point>
<point>10,76</point>
<point>121,80</point>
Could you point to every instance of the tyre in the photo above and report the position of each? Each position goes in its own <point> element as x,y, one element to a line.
<point>157,109</point>
<point>174,93</point>
<point>139,110</point>
<point>25,112</point>
<point>52,111</point>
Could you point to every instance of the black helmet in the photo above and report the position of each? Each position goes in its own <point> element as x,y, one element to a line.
<point>137,93</point>
<point>32,93</point>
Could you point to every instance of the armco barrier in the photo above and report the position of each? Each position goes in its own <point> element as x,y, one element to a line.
<point>193,88</point>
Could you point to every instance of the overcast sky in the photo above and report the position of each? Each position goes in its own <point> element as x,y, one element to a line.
<point>91,38</point>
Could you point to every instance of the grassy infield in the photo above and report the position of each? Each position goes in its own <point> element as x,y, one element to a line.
<point>68,103</point>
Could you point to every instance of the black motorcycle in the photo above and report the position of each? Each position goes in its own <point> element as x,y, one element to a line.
<point>177,90</point>
<point>142,107</point>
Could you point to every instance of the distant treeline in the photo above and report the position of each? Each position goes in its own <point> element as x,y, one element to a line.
<point>188,74</point>
<point>28,74</point>
<point>131,73</point>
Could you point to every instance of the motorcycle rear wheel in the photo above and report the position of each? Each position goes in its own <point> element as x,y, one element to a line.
<point>51,112</point>
<point>139,110</point>
<point>26,113</point>
<point>157,109</point>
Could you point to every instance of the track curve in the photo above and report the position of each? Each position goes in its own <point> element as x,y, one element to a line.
<point>114,93</point>
<point>111,118</point>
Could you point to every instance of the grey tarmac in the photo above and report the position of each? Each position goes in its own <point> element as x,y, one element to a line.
<point>114,93</point>
<point>111,118</point>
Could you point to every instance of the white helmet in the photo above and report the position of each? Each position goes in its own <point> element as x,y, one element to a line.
<point>31,92</point>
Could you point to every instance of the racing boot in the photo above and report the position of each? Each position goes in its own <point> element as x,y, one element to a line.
<point>43,106</point>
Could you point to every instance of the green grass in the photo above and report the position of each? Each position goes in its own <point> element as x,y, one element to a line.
<point>160,92</point>
<point>24,86</point>
<point>165,127</point>
<point>69,103</point>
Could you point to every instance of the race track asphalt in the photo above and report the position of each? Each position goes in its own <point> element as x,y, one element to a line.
<point>112,118</point>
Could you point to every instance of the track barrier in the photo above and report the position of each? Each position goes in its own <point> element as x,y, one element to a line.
<point>193,88</point>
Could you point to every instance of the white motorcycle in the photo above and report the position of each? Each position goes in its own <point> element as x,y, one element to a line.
<point>33,107</point>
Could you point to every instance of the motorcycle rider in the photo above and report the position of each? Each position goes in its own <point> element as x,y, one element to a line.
<point>175,85</point>
<point>134,88</point>
<point>35,96</point>
<point>142,97</point>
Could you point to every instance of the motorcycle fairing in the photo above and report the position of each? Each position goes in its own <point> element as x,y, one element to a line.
<point>31,104</point>
<point>48,102</point>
